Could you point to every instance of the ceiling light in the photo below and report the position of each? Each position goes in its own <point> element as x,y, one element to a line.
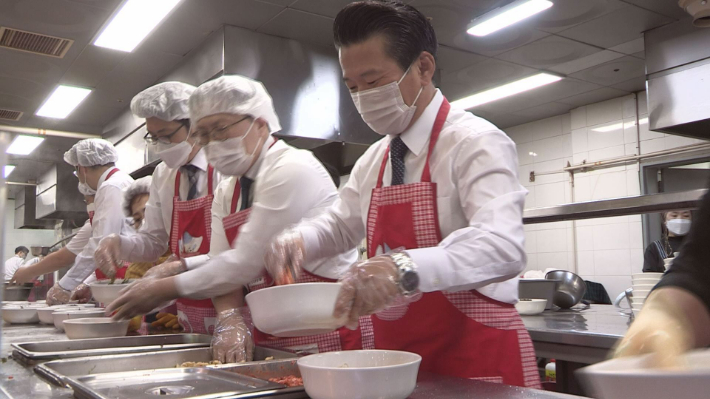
<point>505,16</point>
<point>507,90</point>
<point>133,22</point>
<point>8,170</point>
<point>24,145</point>
<point>63,101</point>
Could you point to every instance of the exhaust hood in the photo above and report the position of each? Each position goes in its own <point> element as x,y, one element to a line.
<point>58,197</point>
<point>25,211</point>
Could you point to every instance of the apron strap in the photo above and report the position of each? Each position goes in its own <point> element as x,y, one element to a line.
<point>210,176</point>
<point>435,131</point>
<point>235,196</point>
<point>111,173</point>
<point>177,184</point>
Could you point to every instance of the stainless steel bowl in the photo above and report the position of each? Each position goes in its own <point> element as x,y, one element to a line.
<point>14,292</point>
<point>570,290</point>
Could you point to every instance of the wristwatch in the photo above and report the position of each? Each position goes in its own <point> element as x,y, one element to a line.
<point>407,272</point>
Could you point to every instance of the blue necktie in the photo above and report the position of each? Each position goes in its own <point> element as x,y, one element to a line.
<point>397,152</point>
<point>245,184</point>
<point>191,172</point>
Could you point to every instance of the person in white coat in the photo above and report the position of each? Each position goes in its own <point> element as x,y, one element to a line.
<point>95,163</point>
<point>177,215</point>
<point>15,262</point>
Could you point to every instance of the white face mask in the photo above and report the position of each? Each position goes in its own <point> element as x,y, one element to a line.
<point>174,155</point>
<point>84,189</point>
<point>679,227</point>
<point>230,157</point>
<point>384,109</point>
<point>90,208</point>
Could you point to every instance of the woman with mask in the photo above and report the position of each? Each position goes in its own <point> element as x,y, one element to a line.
<point>272,186</point>
<point>676,225</point>
<point>177,215</point>
<point>439,202</point>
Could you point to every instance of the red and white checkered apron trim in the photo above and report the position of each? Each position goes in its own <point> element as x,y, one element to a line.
<point>204,203</point>
<point>236,219</point>
<point>197,320</point>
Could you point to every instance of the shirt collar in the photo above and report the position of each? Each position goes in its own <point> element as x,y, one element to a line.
<point>103,177</point>
<point>418,134</point>
<point>200,160</point>
<point>254,170</point>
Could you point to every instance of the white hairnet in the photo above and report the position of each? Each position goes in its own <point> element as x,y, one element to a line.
<point>166,101</point>
<point>233,94</point>
<point>138,187</point>
<point>91,152</point>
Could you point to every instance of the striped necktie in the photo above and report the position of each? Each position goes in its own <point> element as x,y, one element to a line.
<point>191,172</point>
<point>397,152</point>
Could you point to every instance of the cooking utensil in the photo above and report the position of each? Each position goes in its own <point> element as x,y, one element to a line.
<point>14,292</point>
<point>360,374</point>
<point>538,288</point>
<point>20,315</point>
<point>631,378</point>
<point>33,352</point>
<point>528,307</point>
<point>58,370</point>
<point>295,310</point>
<point>95,327</point>
<point>105,292</point>
<point>570,290</point>
<point>204,383</point>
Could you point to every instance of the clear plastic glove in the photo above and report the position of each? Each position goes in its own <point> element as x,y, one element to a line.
<point>58,295</point>
<point>284,257</point>
<point>368,287</point>
<point>662,329</point>
<point>81,293</point>
<point>170,267</point>
<point>107,255</point>
<point>232,341</point>
<point>141,297</point>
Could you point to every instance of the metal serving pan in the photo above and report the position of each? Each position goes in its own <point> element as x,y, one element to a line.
<point>57,371</point>
<point>266,370</point>
<point>31,353</point>
<point>179,383</point>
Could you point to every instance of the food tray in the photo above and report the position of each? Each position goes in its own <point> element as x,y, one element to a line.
<point>178,383</point>
<point>266,370</point>
<point>58,370</point>
<point>31,353</point>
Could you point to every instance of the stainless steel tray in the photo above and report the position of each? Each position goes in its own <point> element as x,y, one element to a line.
<point>177,383</point>
<point>31,353</point>
<point>57,371</point>
<point>266,370</point>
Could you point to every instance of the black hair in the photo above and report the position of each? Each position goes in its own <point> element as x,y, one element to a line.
<point>22,249</point>
<point>407,31</point>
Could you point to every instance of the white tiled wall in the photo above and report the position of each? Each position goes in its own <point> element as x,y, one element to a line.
<point>608,250</point>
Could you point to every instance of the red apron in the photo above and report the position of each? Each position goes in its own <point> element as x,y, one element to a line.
<point>193,220</point>
<point>462,334</point>
<point>121,272</point>
<point>341,339</point>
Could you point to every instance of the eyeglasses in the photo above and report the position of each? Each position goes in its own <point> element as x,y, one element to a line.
<point>135,223</point>
<point>204,136</point>
<point>153,139</point>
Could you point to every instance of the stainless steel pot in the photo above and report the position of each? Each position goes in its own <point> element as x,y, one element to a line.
<point>13,292</point>
<point>570,290</point>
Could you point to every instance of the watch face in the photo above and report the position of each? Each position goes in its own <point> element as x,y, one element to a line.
<point>410,281</point>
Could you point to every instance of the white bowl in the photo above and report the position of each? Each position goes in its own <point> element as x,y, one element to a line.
<point>360,374</point>
<point>531,306</point>
<point>20,315</point>
<point>95,327</point>
<point>84,313</point>
<point>295,310</point>
<point>630,378</point>
<point>63,312</point>
<point>106,293</point>
<point>45,314</point>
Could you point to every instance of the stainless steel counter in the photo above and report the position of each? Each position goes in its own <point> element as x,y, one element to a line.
<point>17,381</point>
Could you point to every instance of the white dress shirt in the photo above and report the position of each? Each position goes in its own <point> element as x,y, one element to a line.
<point>480,205</point>
<point>79,241</point>
<point>153,238</point>
<point>11,266</point>
<point>108,219</point>
<point>289,185</point>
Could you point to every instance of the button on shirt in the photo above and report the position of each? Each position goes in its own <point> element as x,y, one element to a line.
<point>108,219</point>
<point>480,205</point>
<point>289,185</point>
<point>151,242</point>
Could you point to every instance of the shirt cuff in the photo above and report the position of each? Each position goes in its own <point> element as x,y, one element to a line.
<point>194,262</point>
<point>183,285</point>
<point>127,246</point>
<point>430,262</point>
<point>69,283</point>
<point>311,244</point>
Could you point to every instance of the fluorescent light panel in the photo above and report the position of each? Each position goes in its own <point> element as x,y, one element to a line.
<point>8,170</point>
<point>507,90</point>
<point>506,16</point>
<point>133,23</point>
<point>63,101</point>
<point>24,145</point>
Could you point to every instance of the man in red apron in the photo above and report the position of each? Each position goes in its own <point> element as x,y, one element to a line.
<point>177,215</point>
<point>273,186</point>
<point>95,163</point>
<point>439,202</point>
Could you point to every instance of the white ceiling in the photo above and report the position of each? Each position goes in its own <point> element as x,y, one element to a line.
<point>597,44</point>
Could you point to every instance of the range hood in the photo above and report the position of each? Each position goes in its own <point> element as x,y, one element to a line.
<point>25,203</point>
<point>678,79</point>
<point>57,196</point>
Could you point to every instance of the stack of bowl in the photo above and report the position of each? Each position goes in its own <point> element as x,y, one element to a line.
<point>642,284</point>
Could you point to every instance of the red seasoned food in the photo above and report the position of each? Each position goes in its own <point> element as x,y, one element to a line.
<point>289,381</point>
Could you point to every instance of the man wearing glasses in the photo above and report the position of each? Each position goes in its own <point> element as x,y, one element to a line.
<point>177,215</point>
<point>272,186</point>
